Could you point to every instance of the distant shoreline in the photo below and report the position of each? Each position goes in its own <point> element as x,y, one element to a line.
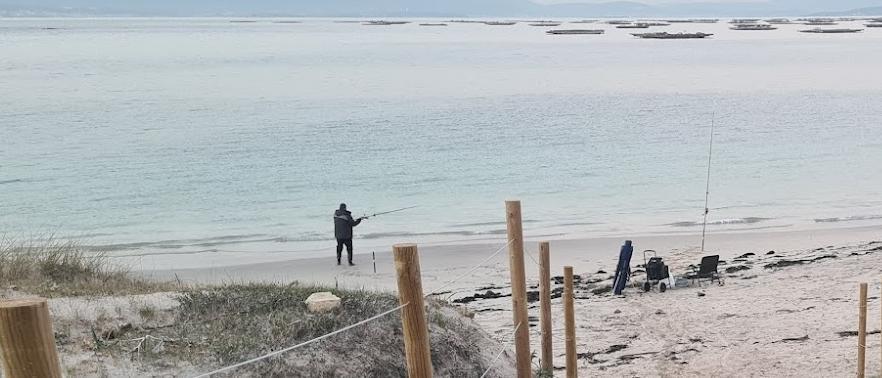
<point>230,250</point>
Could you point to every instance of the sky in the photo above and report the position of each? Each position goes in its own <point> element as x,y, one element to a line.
<point>648,2</point>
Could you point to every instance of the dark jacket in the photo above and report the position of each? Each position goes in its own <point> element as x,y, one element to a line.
<point>343,224</point>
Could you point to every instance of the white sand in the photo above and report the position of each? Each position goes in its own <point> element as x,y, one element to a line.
<point>740,329</point>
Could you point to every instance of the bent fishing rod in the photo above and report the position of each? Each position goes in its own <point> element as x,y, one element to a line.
<point>388,212</point>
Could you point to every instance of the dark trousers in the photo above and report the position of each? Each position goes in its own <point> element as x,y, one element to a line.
<point>340,244</point>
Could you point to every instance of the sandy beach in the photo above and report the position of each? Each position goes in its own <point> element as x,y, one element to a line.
<point>786,313</point>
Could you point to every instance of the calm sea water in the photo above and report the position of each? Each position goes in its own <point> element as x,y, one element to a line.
<point>236,141</point>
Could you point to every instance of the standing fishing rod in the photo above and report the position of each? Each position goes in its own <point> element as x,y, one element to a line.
<point>710,152</point>
<point>388,212</point>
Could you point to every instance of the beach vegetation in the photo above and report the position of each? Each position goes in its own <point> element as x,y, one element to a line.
<point>201,328</point>
<point>51,267</point>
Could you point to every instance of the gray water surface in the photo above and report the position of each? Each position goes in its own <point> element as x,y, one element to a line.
<point>188,135</point>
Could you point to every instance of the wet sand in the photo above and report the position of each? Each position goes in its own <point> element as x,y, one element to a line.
<point>440,264</point>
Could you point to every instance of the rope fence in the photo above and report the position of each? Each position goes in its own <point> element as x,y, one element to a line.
<point>504,348</point>
<point>303,344</point>
<point>470,271</point>
<point>368,320</point>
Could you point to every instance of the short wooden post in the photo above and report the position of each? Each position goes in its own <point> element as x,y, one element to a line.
<point>518,287</point>
<point>413,315</point>
<point>570,321</point>
<point>862,331</point>
<point>545,305</point>
<point>27,343</point>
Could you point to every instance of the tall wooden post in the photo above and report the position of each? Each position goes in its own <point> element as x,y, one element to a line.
<point>27,343</point>
<point>545,305</point>
<point>862,331</point>
<point>518,287</point>
<point>413,316</point>
<point>570,320</point>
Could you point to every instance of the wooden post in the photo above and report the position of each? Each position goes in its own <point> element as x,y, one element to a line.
<point>27,343</point>
<point>518,287</point>
<point>374,254</point>
<point>413,316</point>
<point>570,320</point>
<point>862,331</point>
<point>545,305</point>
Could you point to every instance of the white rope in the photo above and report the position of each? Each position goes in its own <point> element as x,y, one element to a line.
<point>446,285</point>
<point>530,255</point>
<point>504,348</point>
<point>253,360</point>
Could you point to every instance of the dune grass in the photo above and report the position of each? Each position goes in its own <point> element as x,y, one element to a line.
<point>233,323</point>
<point>220,325</point>
<point>54,268</point>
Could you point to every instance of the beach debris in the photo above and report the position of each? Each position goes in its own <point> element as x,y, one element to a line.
<point>786,263</point>
<point>532,296</point>
<point>560,280</point>
<point>602,290</point>
<point>489,310</point>
<point>323,301</point>
<point>737,268</point>
<point>629,357</point>
<point>855,333</point>
<point>491,287</point>
<point>595,280</point>
<point>143,344</point>
<point>490,294</point>
<point>115,331</point>
<point>617,311</point>
<point>746,255</point>
<point>659,312</point>
<point>672,355</point>
<point>601,271</point>
<point>770,253</point>
<point>792,339</point>
<point>701,294</point>
<point>590,355</point>
<point>533,321</point>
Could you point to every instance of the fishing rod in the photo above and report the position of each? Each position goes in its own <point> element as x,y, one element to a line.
<point>710,152</point>
<point>388,212</point>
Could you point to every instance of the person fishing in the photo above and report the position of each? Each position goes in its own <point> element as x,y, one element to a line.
<point>343,224</point>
